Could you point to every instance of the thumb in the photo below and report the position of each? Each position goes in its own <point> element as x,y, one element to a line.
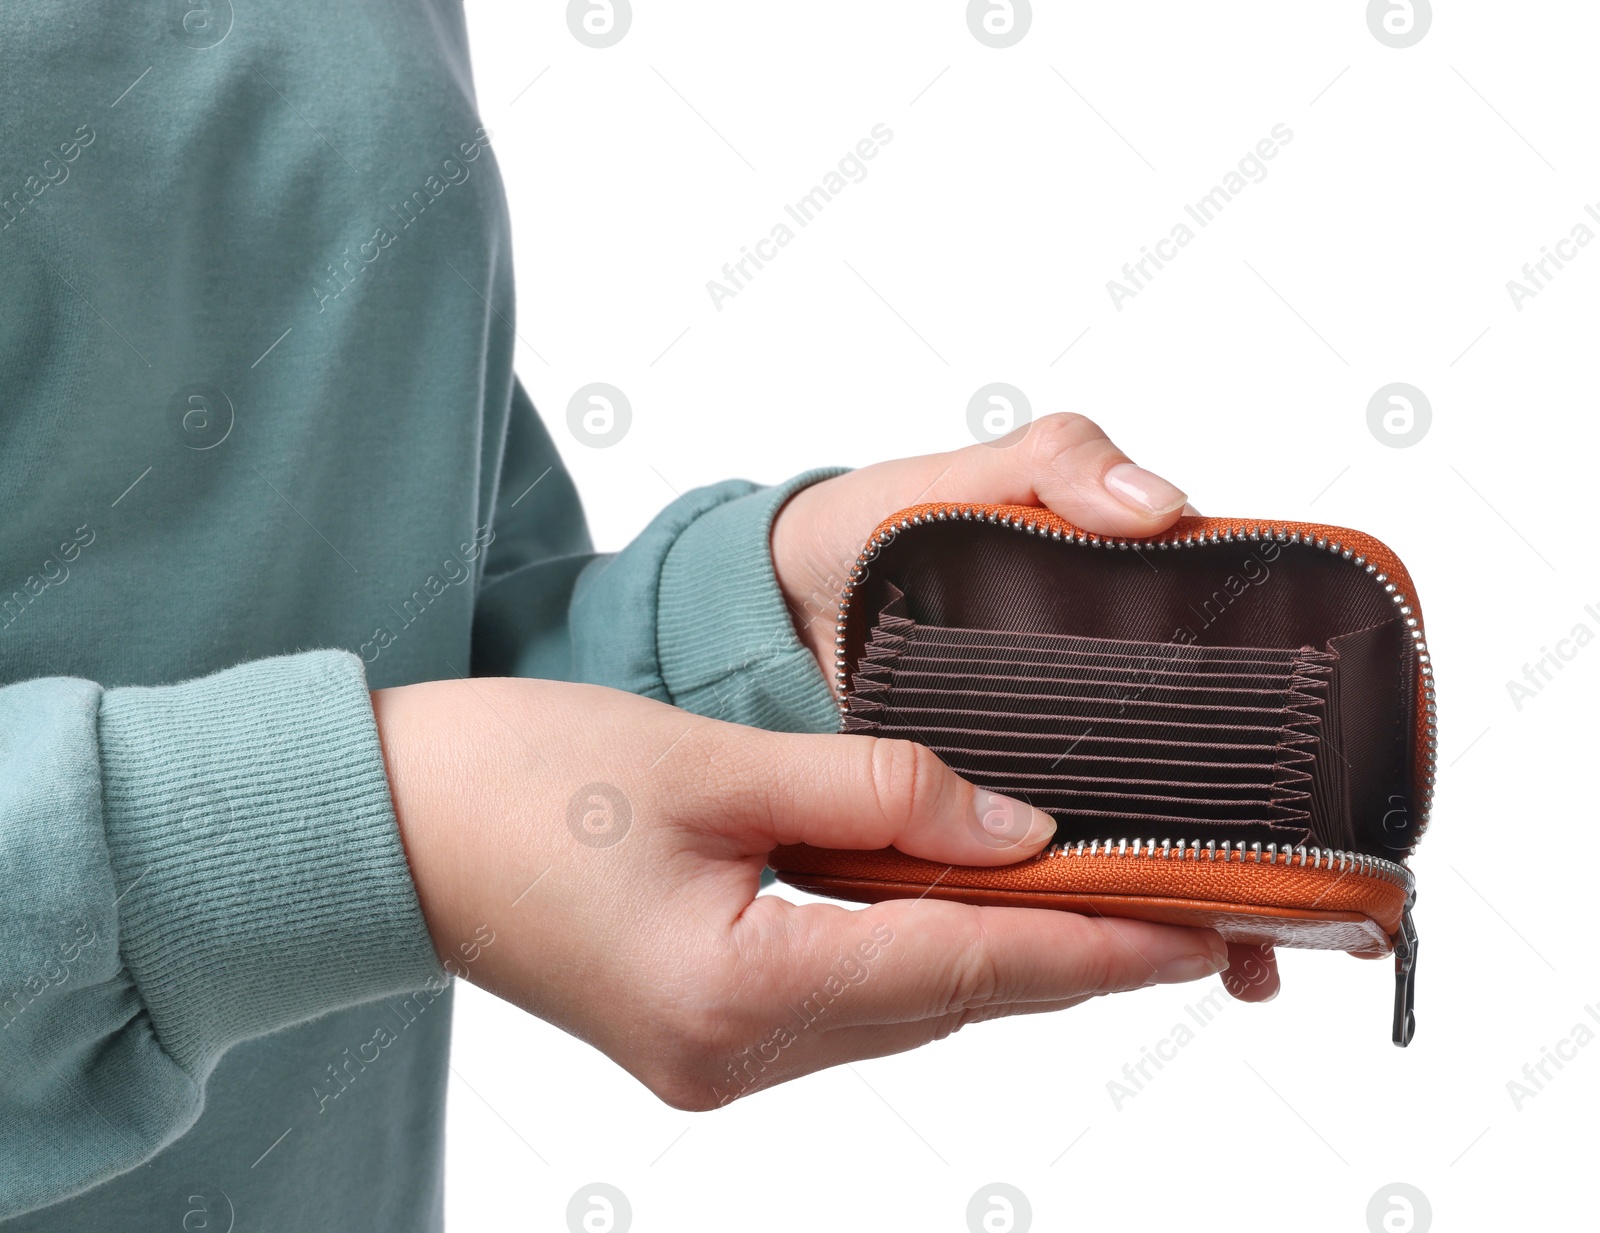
<point>866,792</point>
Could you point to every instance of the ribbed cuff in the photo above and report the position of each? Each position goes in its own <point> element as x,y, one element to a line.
<point>726,639</point>
<point>255,852</point>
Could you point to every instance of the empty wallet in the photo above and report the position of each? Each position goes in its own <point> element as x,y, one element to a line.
<point>1232,722</point>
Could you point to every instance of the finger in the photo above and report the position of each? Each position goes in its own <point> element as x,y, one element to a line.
<point>867,792</point>
<point>854,1044</point>
<point>908,961</point>
<point>1252,974</point>
<point>1063,461</point>
<point>817,1049</point>
<point>1080,473</point>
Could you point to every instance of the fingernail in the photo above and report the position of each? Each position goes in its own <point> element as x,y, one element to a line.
<point>1143,490</point>
<point>1184,968</point>
<point>1042,831</point>
<point>1004,821</point>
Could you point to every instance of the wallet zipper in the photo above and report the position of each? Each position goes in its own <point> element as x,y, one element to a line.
<point>1300,855</point>
<point>1209,532</point>
<point>1405,976</point>
<point>1304,857</point>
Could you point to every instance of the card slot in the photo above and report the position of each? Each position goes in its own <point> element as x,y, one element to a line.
<point>880,685</point>
<point>958,656</point>
<point>916,676</point>
<point>1067,785</point>
<point>1331,815</point>
<point>1067,691</point>
<point>1098,663</point>
<point>881,690</point>
<point>1065,730</point>
<point>1007,770</point>
<point>1224,767</point>
<point>1107,803</point>
<point>917,652</point>
<point>1111,733</point>
<point>1130,672</point>
<point>1251,777</point>
<point>878,682</point>
<point>1052,746</point>
<point>1175,652</point>
<point>1256,759</point>
<point>1100,668</point>
<point>1265,727</point>
<point>1077,706</point>
<point>1178,819</point>
<point>1185,725</point>
<point>992,768</point>
<point>1026,712</point>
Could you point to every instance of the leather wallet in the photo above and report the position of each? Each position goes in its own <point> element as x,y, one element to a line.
<point>1232,722</point>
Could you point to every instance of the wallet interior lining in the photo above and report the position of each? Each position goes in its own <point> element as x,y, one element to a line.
<point>1128,696</point>
<point>1274,722</point>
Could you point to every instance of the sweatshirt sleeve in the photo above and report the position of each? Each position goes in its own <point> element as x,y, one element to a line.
<point>187,866</point>
<point>690,612</point>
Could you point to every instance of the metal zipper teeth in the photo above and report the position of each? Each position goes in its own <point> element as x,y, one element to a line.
<point>1302,856</point>
<point>1252,535</point>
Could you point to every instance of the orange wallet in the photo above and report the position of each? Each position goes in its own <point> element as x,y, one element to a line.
<point>1232,723</point>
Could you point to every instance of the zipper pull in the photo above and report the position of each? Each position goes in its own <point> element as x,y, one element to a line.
<point>1405,977</point>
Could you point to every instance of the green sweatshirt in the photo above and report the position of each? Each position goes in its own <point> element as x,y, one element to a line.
<point>261,450</point>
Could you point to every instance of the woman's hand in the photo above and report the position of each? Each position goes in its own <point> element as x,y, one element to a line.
<point>1064,462</point>
<point>611,849</point>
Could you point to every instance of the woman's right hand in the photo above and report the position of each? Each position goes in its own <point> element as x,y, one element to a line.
<point>614,845</point>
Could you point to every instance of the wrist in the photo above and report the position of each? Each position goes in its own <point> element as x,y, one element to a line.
<point>405,717</point>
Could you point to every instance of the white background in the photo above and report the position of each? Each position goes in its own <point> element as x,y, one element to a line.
<point>977,249</point>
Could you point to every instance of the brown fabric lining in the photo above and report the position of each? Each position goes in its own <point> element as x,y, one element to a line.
<point>984,723</point>
<point>1117,689</point>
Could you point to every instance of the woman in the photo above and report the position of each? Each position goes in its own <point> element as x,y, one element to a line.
<point>318,694</point>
